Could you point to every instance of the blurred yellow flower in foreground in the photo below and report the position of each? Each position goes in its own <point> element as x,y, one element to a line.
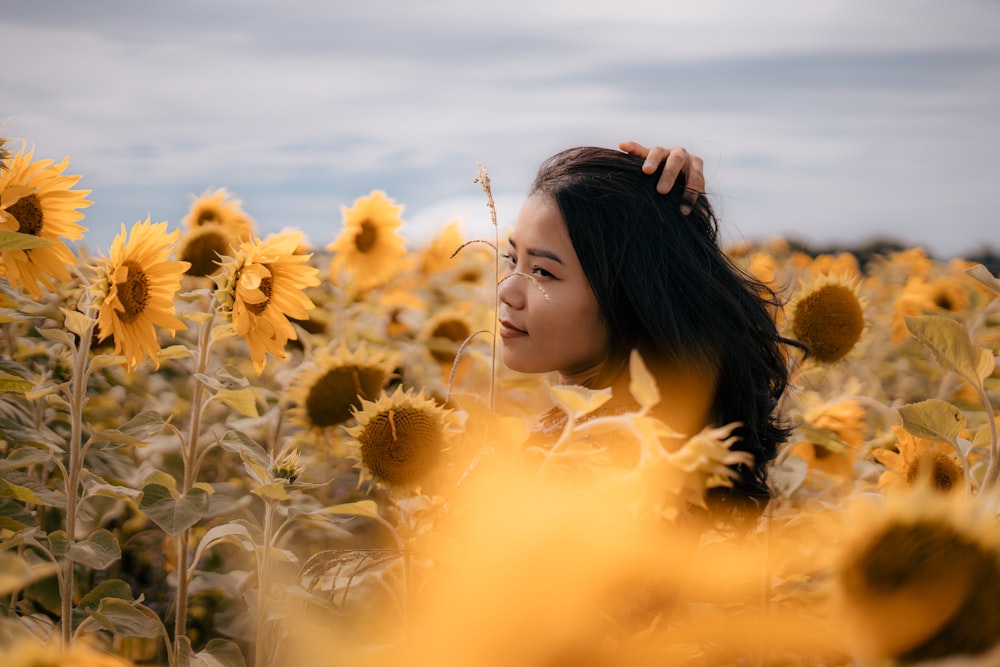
<point>260,287</point>
<point>136,287</point>
<point>919,578</point>
<point>218,207</point>
<point>37,199</point>
<point>369,248</point>
<point>31,653</point>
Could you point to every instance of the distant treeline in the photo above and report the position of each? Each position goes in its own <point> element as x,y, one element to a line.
<point>868,250</point>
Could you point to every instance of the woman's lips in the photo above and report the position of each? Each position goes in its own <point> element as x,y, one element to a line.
<point>508,330</point>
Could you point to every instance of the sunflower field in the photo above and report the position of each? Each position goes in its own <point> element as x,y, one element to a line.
<point>219,450</point>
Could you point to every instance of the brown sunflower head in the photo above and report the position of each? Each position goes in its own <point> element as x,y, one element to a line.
<point>829,319</point>
<point>203,247</point>
<point>934,467</point>
<point>401,438</point>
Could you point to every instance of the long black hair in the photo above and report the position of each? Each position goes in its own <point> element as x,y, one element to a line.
<point>665,287</point>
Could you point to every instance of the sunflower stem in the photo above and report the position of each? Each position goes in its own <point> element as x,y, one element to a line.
<point>77,400</point>
<point>263,584</point>
<point>190,460</point>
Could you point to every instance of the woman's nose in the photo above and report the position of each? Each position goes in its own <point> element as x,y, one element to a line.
<point>511,290</point>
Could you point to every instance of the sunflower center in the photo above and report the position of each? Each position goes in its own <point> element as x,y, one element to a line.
<point>133,294</point>
<point>338,390</point>
<point>830,321</point>
<point>207,217</point>
<point>203,253</point>
<point>28,213</point>
<point>401,446</point>
<point>265,289</point>
<point>365,239</point>
<point>942,471</point>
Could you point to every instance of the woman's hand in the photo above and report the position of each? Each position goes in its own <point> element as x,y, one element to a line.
<point>675,161</point>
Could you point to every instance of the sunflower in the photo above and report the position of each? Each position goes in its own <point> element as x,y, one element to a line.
<point>37,199</point>
<point>369,248</point>
<point>260,287</point>
<point>919,578</point>
<point>400,437</point>
<point>917,461</point>
<point>920,296</point>
<point>203,246</point>
<point>445,332</point>
<point>136,287</point>
<point>439,253</point>
<point>327,393</point>
<point>829,317</point>
<point>833,433</point>
<point>218,207</point>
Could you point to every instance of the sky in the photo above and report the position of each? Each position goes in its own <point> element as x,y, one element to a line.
<point>829,121</point>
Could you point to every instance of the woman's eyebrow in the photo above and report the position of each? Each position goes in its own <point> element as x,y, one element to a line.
<point>537,252</point>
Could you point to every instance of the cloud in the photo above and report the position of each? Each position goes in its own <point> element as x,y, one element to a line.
<point>833,119</point>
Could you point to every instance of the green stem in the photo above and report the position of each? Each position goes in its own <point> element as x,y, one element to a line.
<point>263,584</point>
<point>77,400</point>
<point>189,457</point>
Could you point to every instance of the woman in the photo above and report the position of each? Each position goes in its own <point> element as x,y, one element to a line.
<point>613,252</point>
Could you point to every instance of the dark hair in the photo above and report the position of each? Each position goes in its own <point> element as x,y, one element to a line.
<point>665,286</point>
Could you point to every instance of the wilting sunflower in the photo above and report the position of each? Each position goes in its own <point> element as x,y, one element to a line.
<point>203,246</point>
<point>136,288</point>
<point>829,317</point>
<point>918,461</point>
<point>401,437</point>
<point>218,207</point>
<point>327,393</point>
<point>37,199</point>
<point>369,248</point>
<point>919,577</point>
<point>260,287</point>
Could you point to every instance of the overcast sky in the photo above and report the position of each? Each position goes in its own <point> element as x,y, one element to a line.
<point>827,120</point>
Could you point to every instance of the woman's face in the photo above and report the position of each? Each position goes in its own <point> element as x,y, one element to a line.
<point>549,321</point>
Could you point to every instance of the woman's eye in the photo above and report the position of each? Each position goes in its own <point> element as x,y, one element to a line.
<point>508,258</point>
<point>542,272</point>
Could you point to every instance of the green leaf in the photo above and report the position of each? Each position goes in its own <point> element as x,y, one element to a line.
<point>22,457</point>
<point>12,384</point>
<point>97,486</point>
<point>76,321</point>
<point>983,275</point>
<point>16,572</point>
<point>253,455</point>
<point>951,345</point>
<point>217,653</point>
<point>16,484</point>
<point>173,515</point>
<point>642,384</point>
<point>234,533</point>
<point>243,401</point>
<point>128,619</point>
<point>933,419</point>
<point>15,516</point>
<point>112,588</point>
<point>272,491</point>
<point>10,240</point>
<point>144,425</point>
<point>97,552</point>
<point>58,336</point>
<point>365,508</point>
<point>102,361</point>
<point>173,352</point>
